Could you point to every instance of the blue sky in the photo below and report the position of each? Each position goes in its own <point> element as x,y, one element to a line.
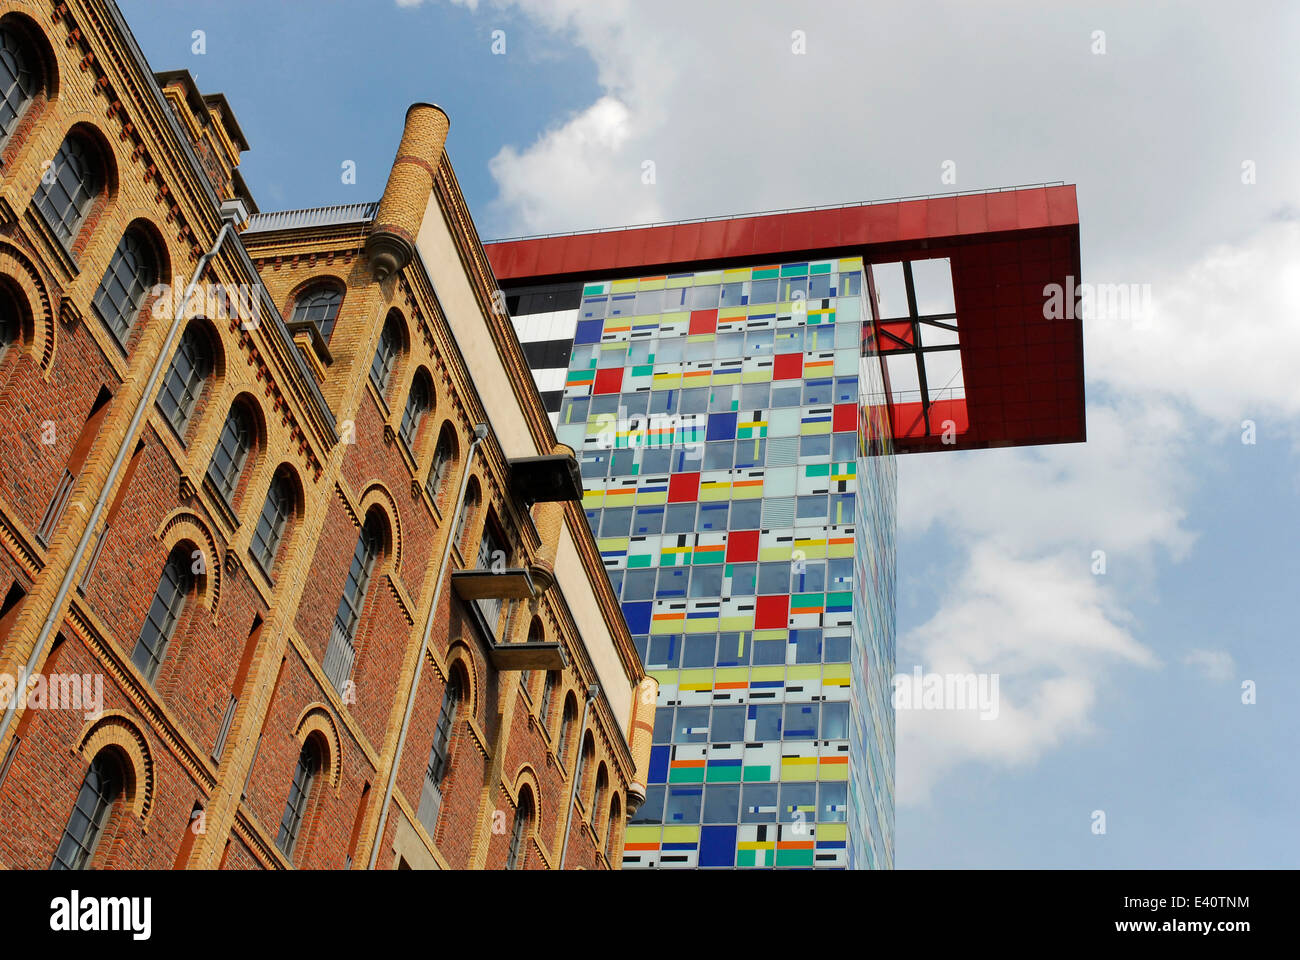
<point>1120,692</point>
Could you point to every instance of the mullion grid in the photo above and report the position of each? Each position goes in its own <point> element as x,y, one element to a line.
<point>86,824</point>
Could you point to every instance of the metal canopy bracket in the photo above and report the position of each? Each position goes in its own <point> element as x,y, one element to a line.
<point>527,656</point>
<point>546,479</point>
<point>513,584</point>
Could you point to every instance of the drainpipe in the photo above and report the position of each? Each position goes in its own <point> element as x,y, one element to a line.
<point>232,212</point>
<point>480,434</point>
<point>592,692</point>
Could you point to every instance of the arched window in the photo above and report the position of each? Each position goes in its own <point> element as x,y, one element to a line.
<point>276,512</point>
<point>443,457</point>
<point>469,507</point>
<point>68,188</point>
<point>90,814</point>
<point>319,305</point>
<point>122,291</point>
<point>568,722</point>
<point>168,600</point>
<point>342,646</point>
<point>523,825</point>
<point>295,808</point>
<point>439,755</point>
<point>390,345</point>
<point>585,760</point>
<point>598,798</point>
<point>418,402</point>
<point>10,319</point>
<point>548,691</point>
<point>612,830</point>
<point>191,365</point>
<point>18,81</point>
<point>231,452</point>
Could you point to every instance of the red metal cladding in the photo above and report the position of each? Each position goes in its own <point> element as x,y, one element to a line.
<point>1022,369</point>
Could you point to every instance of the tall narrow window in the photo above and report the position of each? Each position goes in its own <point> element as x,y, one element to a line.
<point>390,345</point>
<point>126,282</point>
<point>343,635</point>
<point>168,600</point>
<point>418,403</point>
<point>189,370</point>
<point>492,551</point>
<point>598,798</point>
<point>615,815</point>
<point>467,509</point>
<point>439,756</point>
<point>10,319</point>
<point>231,453</point>
<point>567,724</point>
<point>548,691</point>
<point>443,455</point>
<point>319,305</point>
<point>275,517</point>
<point>585,758</point>
<point>90,814</point>
<point>66,192</point>
<point>295,808</point>
<point>18,82</point>
<point>523,821</point>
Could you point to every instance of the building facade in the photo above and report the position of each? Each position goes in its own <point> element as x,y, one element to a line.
<point>737,391</point>
<point>295,570</point>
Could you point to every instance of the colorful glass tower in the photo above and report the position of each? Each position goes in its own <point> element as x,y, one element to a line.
<point>736,392</point>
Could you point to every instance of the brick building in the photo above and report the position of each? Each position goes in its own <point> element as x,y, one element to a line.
<point>292,559</point>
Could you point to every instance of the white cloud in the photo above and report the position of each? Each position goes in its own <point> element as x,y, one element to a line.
<point>580,165</point>
<point>1222,337</point>
<point>1215,664</point>
<point>1049,633</point>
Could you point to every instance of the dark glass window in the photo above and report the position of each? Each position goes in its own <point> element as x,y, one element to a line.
<point>189,370</point>
<point>759,803</point>
<point>18,84</point>
<point>358,579</point>
<point>90,814</point>
<point>418,403</point>
<point>295,808</point>
<point>159,623</point>
<point>523,816</point>
<point>728,725</point>
<point>320,306</point>
<point>125,284</point>
<point>652,811</point>
<point>548,691</point>
<point>10,319</point>
<point>270,525</point>
<point>67,188</point>
<point>439,754</point>
<point>390,345</point>
<point>443,455</point>
<point>567,724</point>
<point>835,721</point>
<point>231,452</point>
<point>721,802</point>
